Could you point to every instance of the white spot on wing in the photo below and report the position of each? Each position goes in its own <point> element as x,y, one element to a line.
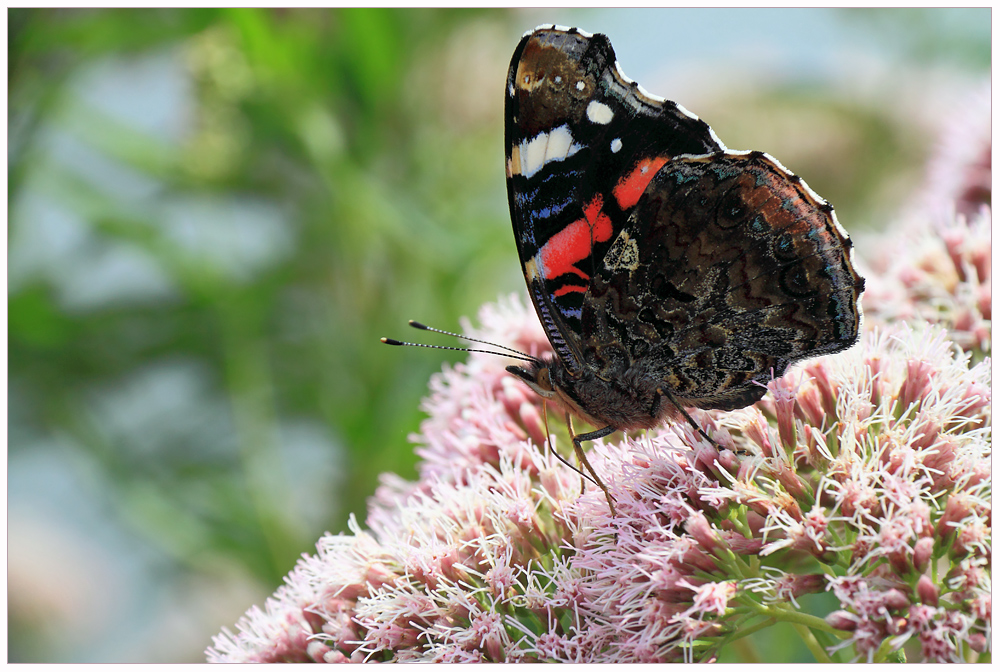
<point>616,145</point>
<point>510,91</point>
<point>556,145</point>
<point>533,154</point>
<point>599,113</point>
<point>580,86</point>
<point>560,144</point>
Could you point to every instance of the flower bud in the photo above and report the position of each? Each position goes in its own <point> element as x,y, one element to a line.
<point>926,434</point>
<point>377,574</point>
<point>806,584</point>
<point>927,591</point>
<point>896,599</point>
<point>757,431</point>
<point>922,552</point>
<point>694,559</point>
<point>811,405</point>
<point>916,385</point>
<point>976,399</point>
<point>317,650</point>
<point>494,648</point>
<point>842,620</point>
<point>699,528</point>
<point>788,505</point>
<point>706,456</point>
<point>784,409</point>
<point>743,546</point>
<point>729,461</point>
<point>956,509</point>
<point>791,482</point>
<point>873,368</point>
<point>973,537</point>
<point>819,370</point>
<point>315,620</point>
<point>978,642</point>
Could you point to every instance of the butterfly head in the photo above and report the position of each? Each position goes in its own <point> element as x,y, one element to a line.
<point>537,377</point>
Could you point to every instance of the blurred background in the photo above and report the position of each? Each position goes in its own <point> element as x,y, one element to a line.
<point>215,214</point>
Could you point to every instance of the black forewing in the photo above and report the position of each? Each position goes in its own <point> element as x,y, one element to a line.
<point>550,192</point>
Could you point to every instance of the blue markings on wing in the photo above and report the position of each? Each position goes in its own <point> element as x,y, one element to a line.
<point>571,313</point>
<point>548,196</point>
<point>553,209</point>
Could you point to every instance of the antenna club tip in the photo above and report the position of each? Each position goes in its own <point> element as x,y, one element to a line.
<point>418,325</point>
<point>390,341</point>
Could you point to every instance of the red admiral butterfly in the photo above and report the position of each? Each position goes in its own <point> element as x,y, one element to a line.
<point>666,270</point>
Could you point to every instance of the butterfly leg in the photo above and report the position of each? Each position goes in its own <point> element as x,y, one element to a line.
<point>580,455</point>
<point>691,420</point>
<point>554,452</point>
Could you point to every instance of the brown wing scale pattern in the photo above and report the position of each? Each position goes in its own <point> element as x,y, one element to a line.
<point>740,271</point>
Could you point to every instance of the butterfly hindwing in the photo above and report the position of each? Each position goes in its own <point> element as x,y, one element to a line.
<point>729,270</point>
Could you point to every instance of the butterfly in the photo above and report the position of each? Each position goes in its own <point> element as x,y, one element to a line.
<point>668,271</point>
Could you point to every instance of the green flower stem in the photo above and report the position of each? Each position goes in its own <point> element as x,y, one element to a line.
<point>733,565</point>
<point>745,632</point>
<point>795,618</point>
<point>819,653</point>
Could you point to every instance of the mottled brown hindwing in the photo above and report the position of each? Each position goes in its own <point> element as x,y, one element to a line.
<point>728,270</point>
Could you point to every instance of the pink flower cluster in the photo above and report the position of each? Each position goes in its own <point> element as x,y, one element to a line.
<point>867,474</point>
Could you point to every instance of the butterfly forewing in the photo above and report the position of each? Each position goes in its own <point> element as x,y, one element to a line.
<point>583,142</point>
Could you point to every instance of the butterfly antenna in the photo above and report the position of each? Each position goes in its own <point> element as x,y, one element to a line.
<point>419,325</point>
<point>515,354</point>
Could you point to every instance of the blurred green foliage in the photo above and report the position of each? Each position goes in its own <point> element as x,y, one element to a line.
<point>388,218</point>
<point>201,267</point>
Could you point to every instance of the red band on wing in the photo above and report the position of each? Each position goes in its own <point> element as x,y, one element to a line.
<point>630,188</point>
<point>566,289</point>
<point>576,241</point>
